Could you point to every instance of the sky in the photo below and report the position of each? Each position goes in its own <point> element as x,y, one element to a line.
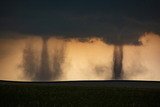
<point>117,21</point>
<point>81,36</point>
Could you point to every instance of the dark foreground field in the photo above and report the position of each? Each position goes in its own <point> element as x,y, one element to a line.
<point>82,93</point>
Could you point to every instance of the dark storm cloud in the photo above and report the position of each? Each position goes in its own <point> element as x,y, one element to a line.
<point>14,35</point>
<point>117,21</point>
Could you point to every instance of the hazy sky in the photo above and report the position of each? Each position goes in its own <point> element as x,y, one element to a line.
<point>118,21</point>
<point>89,60</point>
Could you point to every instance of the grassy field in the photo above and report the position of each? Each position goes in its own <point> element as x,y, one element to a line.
<point>80,93</point>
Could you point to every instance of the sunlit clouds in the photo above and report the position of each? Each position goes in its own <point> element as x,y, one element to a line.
<point>76,59</point>
<point>88,60</point>
<point>142,62</point>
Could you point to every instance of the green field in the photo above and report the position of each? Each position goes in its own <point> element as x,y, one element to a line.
<point>80,93</point>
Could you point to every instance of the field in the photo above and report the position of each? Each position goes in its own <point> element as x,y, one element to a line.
<point>80,93</point>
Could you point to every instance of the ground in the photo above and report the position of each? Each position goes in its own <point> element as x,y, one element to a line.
<point>80,93</point>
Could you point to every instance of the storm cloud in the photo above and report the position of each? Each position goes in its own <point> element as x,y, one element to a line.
<point>116,21</point>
